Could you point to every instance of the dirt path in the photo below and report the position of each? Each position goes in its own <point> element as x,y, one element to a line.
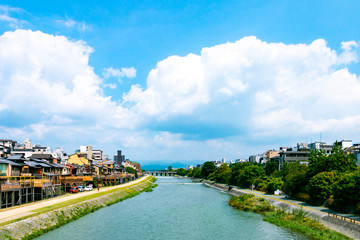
<point>27,209</point>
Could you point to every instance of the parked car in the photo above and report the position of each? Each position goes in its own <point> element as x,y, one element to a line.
<point>81,188</point>
<point>88,188</point>
<point>74,189</point>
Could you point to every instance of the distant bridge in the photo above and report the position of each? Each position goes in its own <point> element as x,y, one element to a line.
<point>160,173</point>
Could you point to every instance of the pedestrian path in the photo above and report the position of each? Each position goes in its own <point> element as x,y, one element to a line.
<point>320,209</point>
<point>21,211</point>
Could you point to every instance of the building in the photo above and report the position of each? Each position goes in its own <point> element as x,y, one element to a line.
<point>6,146</point>
<point>257,158</point>
<point>346,144</point>
<point>80,159</point>
<point>119,159</point>
<point>88,150</point>
<point>327,148</point>
<point>271,154</point>
<point>97,154</point>
<point>292,155</point>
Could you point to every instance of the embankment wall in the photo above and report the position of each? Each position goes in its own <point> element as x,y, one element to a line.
<point>36,226</point>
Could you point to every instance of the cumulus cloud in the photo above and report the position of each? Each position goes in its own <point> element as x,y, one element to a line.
<point>193,106</point>
<point>264,88</point>
<point>120,73</point>
<point>43,76</point>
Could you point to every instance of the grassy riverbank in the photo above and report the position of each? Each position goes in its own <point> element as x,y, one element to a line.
<point>297,221</point>
<point>60,214</point>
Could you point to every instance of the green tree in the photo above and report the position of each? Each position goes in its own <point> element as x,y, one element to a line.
<point>207,168</point>
<point>346,191</point>
<point>131,171</point>
<point>237,170</point>
<point>273,185</point>
<point>338,160</point>
<point>320,187</point>
<point>196,172</point>
<point>295,180</point>
<point>249,174</point>
<point>222,174</point>
<point>181,172</point>
<point>170,168</point>
<point>271,167</point>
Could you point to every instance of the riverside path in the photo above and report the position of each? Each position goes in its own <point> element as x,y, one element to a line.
<point>9,214</point>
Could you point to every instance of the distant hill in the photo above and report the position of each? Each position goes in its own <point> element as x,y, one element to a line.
<point>164,165</point>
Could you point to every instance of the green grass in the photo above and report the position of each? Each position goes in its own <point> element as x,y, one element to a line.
<point>297,221</point>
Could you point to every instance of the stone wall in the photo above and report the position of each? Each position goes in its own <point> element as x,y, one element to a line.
<point>36,226</point>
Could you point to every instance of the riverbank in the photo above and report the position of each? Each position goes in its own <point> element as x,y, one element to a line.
<point>297,220</point>
<point>349,229</point>
<point>53,216</point>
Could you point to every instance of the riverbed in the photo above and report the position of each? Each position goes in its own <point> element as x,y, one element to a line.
<point>176,209</point>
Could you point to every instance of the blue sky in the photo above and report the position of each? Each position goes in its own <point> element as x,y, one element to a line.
<point>179,80</point>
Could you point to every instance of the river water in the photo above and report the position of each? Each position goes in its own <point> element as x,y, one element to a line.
<point>176,209</point>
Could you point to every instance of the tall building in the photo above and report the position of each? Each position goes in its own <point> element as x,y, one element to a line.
<point>118,158</point>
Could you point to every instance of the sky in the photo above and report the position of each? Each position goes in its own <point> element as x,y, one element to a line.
<point>179,80</point>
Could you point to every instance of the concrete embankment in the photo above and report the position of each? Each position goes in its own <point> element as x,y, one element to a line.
<point>36,226</point>
<point>349,229</point>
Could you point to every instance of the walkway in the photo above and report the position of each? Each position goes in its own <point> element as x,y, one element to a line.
<point>320,209</point>
<point>16,212</point>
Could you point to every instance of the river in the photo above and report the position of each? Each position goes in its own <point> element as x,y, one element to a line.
<point>176,209</point>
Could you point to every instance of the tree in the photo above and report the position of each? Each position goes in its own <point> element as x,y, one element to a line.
<point>295,180</point>
<point>273,185</point>
<point>207,168</point>
<point>320,187</point>
<point>131,170</point>
<point>222,174</point>
<point>338,160</point>
<point>236,170</point>
<point>271,167</point>
<point>249,174</point>
<point>170,168</point>
<point>196,173</point>
<point>181,172</point>
<point>346,191</point>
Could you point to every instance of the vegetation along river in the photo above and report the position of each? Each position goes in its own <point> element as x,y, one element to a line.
<point>176,209</point>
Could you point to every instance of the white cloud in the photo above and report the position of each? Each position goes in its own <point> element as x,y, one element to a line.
<point>70,23</point>
<point>295,88</point>
<point>44,75</point>
<point>110,85</point>
<point>248,90</point>
<point>124,72</point>
<point>5,15</point>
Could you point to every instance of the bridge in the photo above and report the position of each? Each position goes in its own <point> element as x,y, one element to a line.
<point>160,173</point>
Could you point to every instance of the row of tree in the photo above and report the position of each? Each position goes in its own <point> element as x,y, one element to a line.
<point>333,180</point>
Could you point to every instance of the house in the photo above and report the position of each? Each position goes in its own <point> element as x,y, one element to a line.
<point>6,145</point>
<point>79,159</point>
<point>271,154</point>
<point>9,168</point>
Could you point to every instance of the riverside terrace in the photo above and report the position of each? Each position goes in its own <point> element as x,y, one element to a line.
<point>26,180</point>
